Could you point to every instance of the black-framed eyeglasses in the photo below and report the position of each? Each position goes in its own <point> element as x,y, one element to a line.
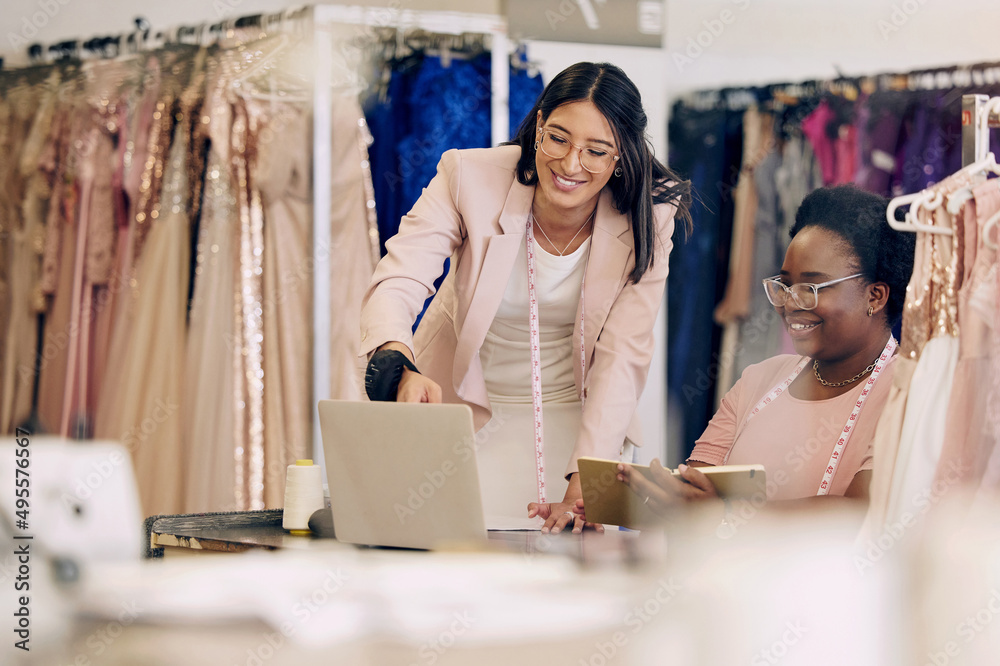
<point>592,158</point>
<point>804,294</point>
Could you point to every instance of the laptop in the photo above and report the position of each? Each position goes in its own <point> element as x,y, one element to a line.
<point>402,474</point>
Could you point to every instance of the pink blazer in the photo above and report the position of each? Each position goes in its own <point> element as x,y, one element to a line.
<point>476,212</point>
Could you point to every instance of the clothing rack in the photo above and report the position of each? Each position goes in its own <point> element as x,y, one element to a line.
<point>979,114</point>
<point>325,19</point>
<point>740,97</point>
<point>143,38</point>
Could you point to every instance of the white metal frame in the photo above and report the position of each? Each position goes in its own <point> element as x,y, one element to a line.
<point>325,18</point>
<point>979,114</point>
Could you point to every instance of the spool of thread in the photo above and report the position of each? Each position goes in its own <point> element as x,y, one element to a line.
<point>303,496</point>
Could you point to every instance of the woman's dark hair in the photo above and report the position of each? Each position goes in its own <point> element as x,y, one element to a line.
<point>644,181</point>
<point>884,254</point>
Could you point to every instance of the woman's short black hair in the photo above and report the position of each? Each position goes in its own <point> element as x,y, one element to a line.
<point>644,181</point>
<point>884,254</point>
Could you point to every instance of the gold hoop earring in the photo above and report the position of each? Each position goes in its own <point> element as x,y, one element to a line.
<point>871,310</point>
<point>618,171</point>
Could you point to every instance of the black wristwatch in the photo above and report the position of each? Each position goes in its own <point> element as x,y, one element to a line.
<point>385,368</point>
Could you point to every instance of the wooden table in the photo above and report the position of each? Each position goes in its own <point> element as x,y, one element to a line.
<point>241,531</point>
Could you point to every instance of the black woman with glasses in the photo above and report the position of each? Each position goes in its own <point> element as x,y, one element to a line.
<point>810,418</point>
<point>559,245</point>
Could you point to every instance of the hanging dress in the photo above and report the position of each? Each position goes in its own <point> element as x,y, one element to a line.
<point>923,429</point>
<point>19,337</point>
<point>209,401</point>
<point>967,442</point>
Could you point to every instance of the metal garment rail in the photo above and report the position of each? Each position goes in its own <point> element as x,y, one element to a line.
<point>975,142</point>
<point>326,18</point>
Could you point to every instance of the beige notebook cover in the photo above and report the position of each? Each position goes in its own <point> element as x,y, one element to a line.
<point>609,501</point>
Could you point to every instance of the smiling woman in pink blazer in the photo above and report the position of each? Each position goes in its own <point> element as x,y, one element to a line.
<point>577,207</point>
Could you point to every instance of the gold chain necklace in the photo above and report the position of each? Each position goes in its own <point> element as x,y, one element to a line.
<point>846,381</point>
<point>563,253</point>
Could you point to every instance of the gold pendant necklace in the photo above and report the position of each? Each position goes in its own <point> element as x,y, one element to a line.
<point>566,247</point>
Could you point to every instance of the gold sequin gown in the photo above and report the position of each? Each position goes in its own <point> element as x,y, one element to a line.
<point>923,429</point>
<point>209,404</point>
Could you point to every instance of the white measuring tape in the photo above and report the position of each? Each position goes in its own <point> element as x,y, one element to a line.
<point>536,363</point>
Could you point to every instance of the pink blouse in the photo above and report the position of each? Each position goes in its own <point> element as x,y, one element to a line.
<point>792,438</point>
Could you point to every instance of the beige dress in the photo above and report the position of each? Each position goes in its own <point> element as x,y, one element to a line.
<point>283,176</point>
<point>923,433</point>
<point>145,407</point>
<point>354,249</point>
<point>22,258</point>
<point>208,405</point>
<point>284,179</point>
<point>758,141</point>
<point>968,443</point>
<point>59,264</point>
<point>916,315</point>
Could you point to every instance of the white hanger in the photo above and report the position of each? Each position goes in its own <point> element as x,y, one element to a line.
<point>929,198</point>
<point>991,107</point>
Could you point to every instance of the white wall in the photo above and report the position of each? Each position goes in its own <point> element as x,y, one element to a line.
<point>27,21</point>
<point>763,41</point>
<point>766,40</point>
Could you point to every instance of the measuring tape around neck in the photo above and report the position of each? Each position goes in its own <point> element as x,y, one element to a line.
<point>848,430</point>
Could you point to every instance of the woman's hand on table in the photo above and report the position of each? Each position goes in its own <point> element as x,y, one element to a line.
<point>565,514</point>
<point>664,490</point>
